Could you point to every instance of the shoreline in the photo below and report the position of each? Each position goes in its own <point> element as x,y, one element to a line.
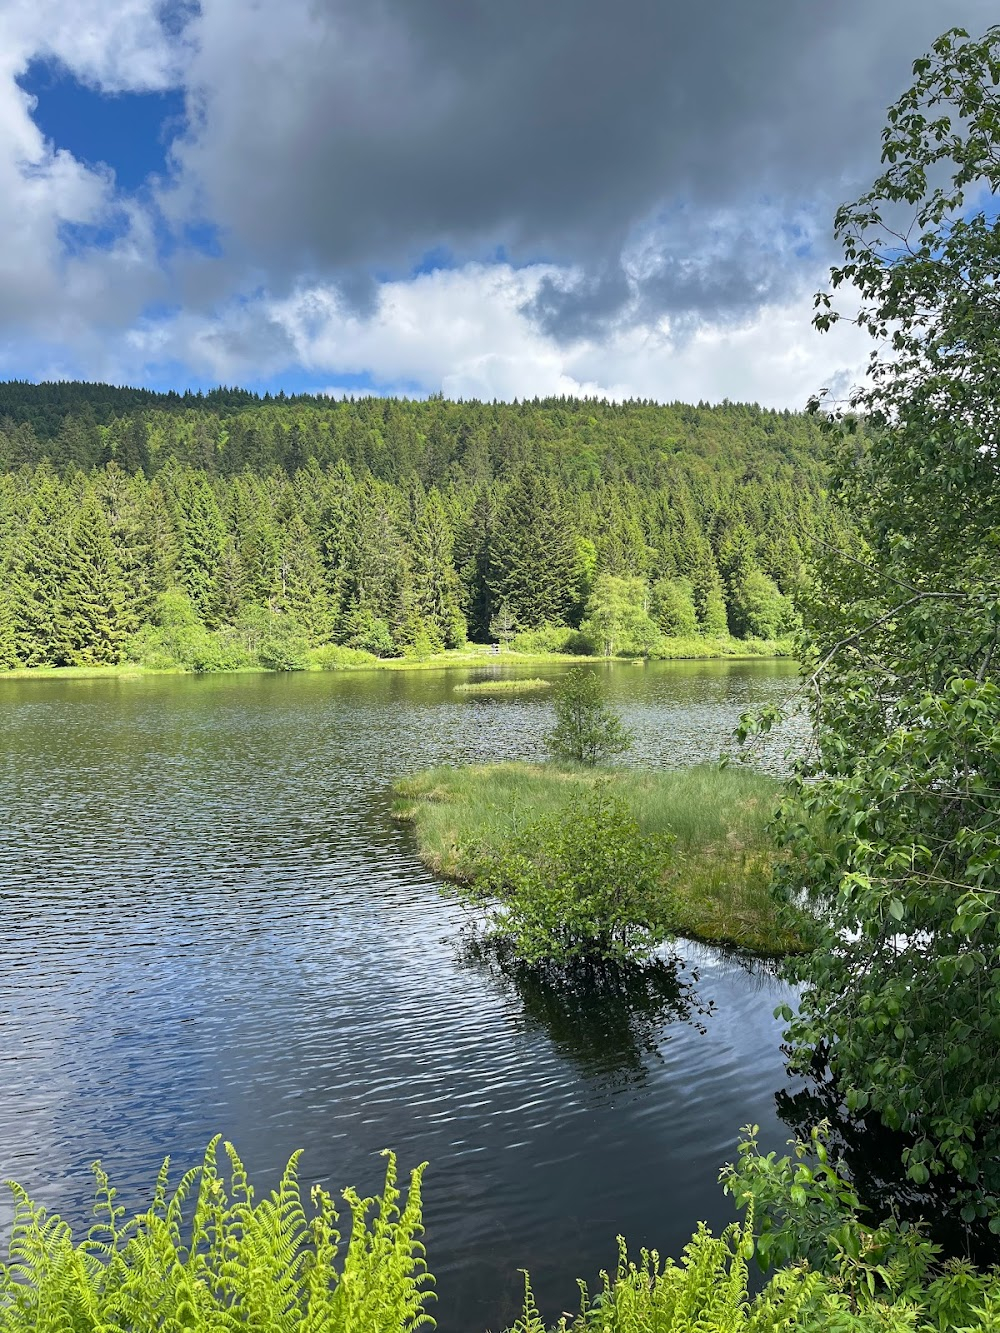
<point>474,656</point>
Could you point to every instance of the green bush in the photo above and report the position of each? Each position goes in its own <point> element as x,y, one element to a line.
<point>206,1258</point>
<point>336,656</point>
<point>552,639</point>
<point>672,607</point>
<point>370,634</point>
<point>584,883</point>
<point>284,653</point>
<point>190,647</point>
<point>708,1292</point>
<point>586,731</point>
<point>177,638</point>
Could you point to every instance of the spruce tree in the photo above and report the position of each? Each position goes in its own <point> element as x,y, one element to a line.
<point>8,639</point>
<point>37,573</point>
<point>302,594</point>
<point>132,448</point>
<point>435,584</point>
<point>472,547</point>
<point>533,553</point>
<point>93,608</point>
<point>374,575</point>
<point>202,540</point>
<point>709,598</point>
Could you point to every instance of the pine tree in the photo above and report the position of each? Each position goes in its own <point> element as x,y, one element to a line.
<point>533,555</point>
<point>259,556</point>
<point>202,540</point>
<point>709,598</point>
<point>37,573</point>
<point>93,608</point>
<point>471,554</point>
<point>8,638</point>
<point>302,594</point>
<point>373,575</point>
<point>157,541</point>
<point>435,584</point>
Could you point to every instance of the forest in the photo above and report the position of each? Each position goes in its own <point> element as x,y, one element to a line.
<point>213,530</point>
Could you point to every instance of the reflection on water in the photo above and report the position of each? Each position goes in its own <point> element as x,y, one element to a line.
<point>872,1156</point>
<point>607,1020</point>
<point>209,922</point>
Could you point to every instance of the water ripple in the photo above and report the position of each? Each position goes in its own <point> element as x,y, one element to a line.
<point>210,923</point>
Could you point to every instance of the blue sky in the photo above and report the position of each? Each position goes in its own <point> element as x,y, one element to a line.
<point>130,132</point>
<point>575,198</point>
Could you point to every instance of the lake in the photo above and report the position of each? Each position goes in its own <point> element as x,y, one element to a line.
<point>211,924</point>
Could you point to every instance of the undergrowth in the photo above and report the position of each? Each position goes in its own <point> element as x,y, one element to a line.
<point>207,1259</point>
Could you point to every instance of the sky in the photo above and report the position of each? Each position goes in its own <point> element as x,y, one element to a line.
<point>622,198</point>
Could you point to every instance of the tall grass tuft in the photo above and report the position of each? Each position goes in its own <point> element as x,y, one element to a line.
<point>509,685</point>
<point>722,856</point>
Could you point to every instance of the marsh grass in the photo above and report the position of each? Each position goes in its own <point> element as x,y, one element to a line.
<point>722,857</point>
<point>499,686</point>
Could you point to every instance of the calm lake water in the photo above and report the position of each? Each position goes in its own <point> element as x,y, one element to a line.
<point>211,924</point>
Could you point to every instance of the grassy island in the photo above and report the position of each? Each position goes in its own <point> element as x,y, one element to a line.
<point>500,686</point>
<point>722,856</point>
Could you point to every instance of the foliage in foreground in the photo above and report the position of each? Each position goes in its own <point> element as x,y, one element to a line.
<point>830,1271</point>
<point>722,856</point>
<point>206,1257</point>
<point>893,826</point>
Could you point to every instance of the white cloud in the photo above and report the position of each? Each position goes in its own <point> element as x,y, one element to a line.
<point>70,294</point>
<point>465,332</point>
<point>115,45</point>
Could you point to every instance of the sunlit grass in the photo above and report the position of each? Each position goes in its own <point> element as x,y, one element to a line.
<point>499,686</point>
<point>722,857</point>
<point>472,655</point>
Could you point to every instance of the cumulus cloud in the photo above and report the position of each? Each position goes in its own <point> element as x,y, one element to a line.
<point>624,199</point>
<point>337,135</point>
<point>115,45</point>
<point>469,332</point>
<point>56,283</point>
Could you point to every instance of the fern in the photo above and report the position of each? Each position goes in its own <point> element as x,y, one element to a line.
<point>707,1292</point>
<point>207,1259</point>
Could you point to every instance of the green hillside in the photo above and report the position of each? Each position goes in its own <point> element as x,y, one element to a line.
<point>131,520</point>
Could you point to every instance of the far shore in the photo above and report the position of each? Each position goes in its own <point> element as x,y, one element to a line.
<point>473,655</point>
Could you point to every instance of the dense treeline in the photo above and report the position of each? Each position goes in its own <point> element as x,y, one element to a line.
<point>135,524</point>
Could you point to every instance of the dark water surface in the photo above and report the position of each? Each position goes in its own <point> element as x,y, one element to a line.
<point>210,924</point>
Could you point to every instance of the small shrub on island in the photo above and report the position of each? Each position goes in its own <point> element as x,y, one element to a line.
<point>586,731</point>
<point>584,883</point>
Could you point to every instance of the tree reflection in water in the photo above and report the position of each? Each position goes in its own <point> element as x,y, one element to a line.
<point>608,1018</point>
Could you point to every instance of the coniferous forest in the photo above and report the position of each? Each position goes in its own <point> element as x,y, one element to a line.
<point>212,530</point>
